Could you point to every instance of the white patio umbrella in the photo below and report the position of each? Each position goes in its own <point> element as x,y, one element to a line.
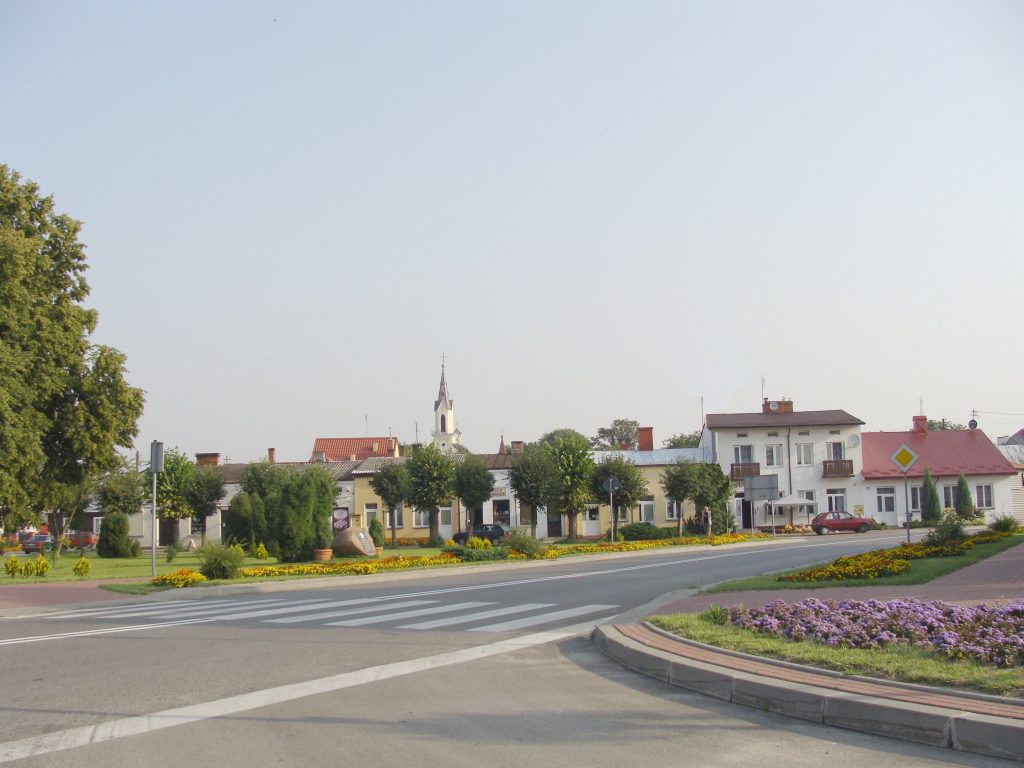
<point>792,500</point>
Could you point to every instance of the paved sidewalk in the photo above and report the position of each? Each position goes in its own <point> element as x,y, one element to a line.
<point>57,593</point>
<point>963,721</point>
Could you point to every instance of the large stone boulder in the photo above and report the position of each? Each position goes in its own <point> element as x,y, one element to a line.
<point>353,541</point>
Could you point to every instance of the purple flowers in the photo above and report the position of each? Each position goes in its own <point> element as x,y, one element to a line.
<point>991,635</point>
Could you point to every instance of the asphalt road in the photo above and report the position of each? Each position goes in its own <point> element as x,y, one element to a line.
<point>484,664</point>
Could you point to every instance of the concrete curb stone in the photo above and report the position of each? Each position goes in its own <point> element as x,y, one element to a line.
<point>921,723</point>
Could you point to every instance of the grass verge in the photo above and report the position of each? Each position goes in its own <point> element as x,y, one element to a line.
<point>909,665</point>
<point>921,571</point>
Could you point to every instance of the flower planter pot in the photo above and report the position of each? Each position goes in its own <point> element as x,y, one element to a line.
<point>380,551</point>
<point>322,555</point>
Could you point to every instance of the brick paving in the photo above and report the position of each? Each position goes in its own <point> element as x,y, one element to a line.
<point>56,593</point>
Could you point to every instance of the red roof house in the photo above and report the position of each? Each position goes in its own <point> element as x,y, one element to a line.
<point>353,448</point>
<point>946,453</point>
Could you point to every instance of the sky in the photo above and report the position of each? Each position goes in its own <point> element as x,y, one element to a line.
<point>593,210</point>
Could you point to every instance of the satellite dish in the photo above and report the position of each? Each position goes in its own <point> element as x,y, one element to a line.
<point>773,406</point>
<point>853,441</point>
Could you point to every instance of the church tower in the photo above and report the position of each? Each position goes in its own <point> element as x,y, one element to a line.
<point>445,435</point>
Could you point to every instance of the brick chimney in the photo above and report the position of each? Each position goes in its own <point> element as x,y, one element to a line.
<point>207,459</point>
<point>645,438</point>
<point>271,455</point>
<point>777,406</point>
<point>920,424</point>
<point>517,447</point>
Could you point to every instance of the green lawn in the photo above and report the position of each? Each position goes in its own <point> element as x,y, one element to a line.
<point>921,571</point>
<point>113,567</point>
<point>911,665</point>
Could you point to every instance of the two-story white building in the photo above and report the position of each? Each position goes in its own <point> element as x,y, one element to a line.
<point>814,454</point>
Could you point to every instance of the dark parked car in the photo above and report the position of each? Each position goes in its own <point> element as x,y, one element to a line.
<point>493,532</point>
<point>827,522</point>
<point>82,539</point>
<point>38,542</point>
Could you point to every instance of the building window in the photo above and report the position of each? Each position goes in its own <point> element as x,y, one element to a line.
<point>743,454</point>
<point>620,514</point>
<point>773,455</point>
<point>949,496</point>
<point>804,454</point>
<point>983,496</point>
<point>647,510</point>
<point>444,516</point>
<point>672,510</point>
<point>836,499</point>
<point>369,514</point>
<point>886,500</point>
<point>444,423</point>
<point>399,517</point>
<point>916,498</point>
<point>421,518</point>
<point>834,452</point>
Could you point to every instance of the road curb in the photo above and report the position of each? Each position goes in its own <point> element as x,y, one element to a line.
<point>937,726</point>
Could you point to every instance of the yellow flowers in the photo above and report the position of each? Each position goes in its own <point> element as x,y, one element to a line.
<point>878,562</point>
<point>183,577</point>
<point>353,568</point>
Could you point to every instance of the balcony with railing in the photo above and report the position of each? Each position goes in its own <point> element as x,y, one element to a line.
<point>744,469</point>
<point>837,468</point>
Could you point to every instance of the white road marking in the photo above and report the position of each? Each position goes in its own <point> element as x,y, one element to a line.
<point>544,618</point>
<point>194,610</point>
<point>104,631</point>
<point>347,612</point>
<point>451,620</point>
<point>404,615</point>
<point>104,609</point>
<point>72,738</point>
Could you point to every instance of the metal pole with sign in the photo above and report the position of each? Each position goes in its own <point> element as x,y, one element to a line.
<point>904,458</point>
<point>156,466</point>
<point>611,484</point>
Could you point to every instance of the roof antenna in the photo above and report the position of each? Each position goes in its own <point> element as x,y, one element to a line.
<point>762,387</point>
<point>366,424</point>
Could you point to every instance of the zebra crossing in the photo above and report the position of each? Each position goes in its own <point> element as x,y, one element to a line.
<point>398,612</point>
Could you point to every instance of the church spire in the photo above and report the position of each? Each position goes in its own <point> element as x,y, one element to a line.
<point>442,391</point>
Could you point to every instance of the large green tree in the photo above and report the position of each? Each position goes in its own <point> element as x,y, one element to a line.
<point>532,477</point>
<point>431,484</point>
<point>678,481</point>
<point>548,438</point>
<point>473,485</point>
<point>573,467</point>
<point>944,425</point>
<point>620,434</point>
<point>205,490</point>
<point>391,484</point>
<point>710,494</point>
<point>631,482</point>
<point>123,490</point>
<point>64,403</point>
<point>683,440</point>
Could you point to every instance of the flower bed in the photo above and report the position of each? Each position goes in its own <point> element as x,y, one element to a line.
<point>183,577</point>
<point>636,546</point>
<point>988,634</point>
<point>887,562</point>
<point>356,567</point>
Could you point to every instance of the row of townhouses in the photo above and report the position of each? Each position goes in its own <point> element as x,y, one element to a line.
<point>814,461</point>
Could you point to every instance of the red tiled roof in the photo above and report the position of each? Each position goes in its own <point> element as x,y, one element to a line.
<point>345,448</point>
<point>946,453</point>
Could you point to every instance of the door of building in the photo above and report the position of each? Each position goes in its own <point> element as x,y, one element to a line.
<point>591,522</point>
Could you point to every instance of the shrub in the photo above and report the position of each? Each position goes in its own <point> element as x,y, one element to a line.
<point>261,552</point>
<point>12,566</point>
<point>114,540</point>
<point>474,542</point>
<point>134,548</point>
<point>1004,524</point>
<point>172,551</point>
<point>217,561</point>
<point>640,532</point>
<point>81,569</point>
<point>519,540</point>
<point>468,555</point>
<point>377,532</point>
<point>38,566</point>
<point>948,530</point>
<point>716,614</point>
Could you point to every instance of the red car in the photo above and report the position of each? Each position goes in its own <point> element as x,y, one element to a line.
<point>82,539</point>
<point>827,522</point>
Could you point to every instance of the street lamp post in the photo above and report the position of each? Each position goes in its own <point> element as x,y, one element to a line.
<point>156,466</point>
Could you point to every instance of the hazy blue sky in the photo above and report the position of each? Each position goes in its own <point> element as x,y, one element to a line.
<point>596,210</point>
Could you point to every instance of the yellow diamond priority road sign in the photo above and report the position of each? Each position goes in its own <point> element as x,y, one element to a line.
<point>904,458</point>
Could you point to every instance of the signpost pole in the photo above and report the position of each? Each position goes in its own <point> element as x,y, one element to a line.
<point>156,466</point>
<point>904,458</point>
<point>906,501</point>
